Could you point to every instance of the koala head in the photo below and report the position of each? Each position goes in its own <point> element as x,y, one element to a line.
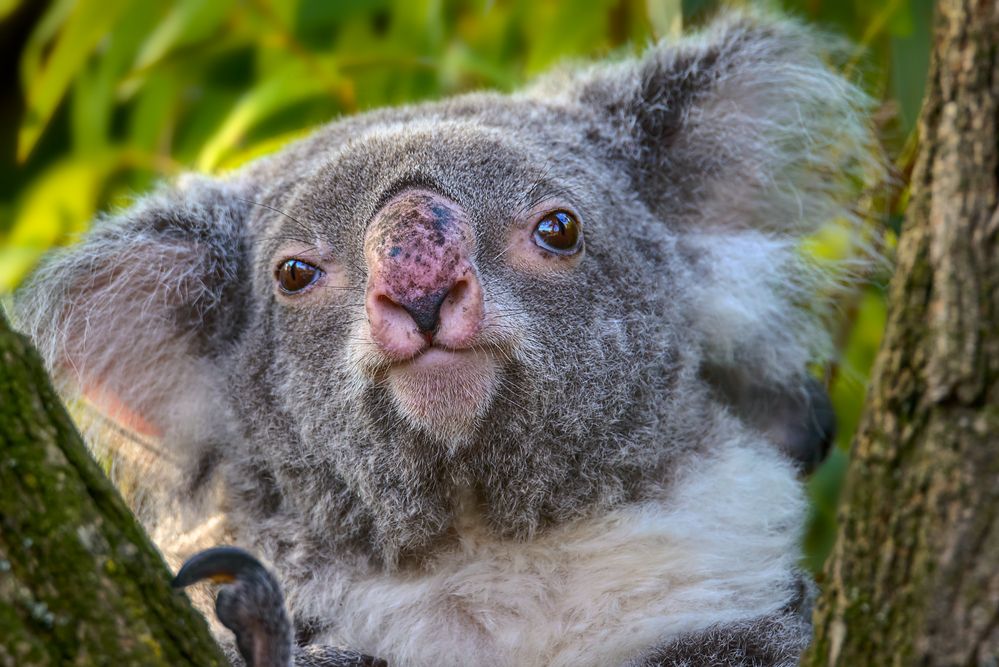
<point>543,300</point>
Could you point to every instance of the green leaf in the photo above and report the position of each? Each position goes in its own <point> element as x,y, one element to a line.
<point>260,149</point>
<point>8,7</point>
<point>89,22</point>
<point>188,22</point>
<point>282,90</point>
<point>666,17</point>
<point>59,204</point>
<point>910,61</point>
<point>38,40</point>
<point>154,112</point>
<point>94,97</point>
<point>569,29</point>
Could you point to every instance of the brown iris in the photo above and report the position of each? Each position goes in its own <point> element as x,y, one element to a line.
<point>558,232</point>
<point>294,275</point>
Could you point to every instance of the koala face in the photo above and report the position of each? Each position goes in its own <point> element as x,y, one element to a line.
<point>541,301</point>
<point>479,303</point>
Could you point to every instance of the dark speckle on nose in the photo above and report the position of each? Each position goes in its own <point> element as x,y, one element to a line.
<point>441,216</point>
<point>394,252</point>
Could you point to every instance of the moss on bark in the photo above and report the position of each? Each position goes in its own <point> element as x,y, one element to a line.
<point>80,583</point>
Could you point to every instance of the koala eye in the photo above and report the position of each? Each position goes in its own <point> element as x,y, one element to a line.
<point>558,232</point>
<point>294,275</point>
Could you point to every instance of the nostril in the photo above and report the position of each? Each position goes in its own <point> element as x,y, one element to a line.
<point>423,310</point>
<point>462,313</point>
<point>387,306</point>
<point>392,327</point>
<point>385,301</point>
<point>457,292</point>
<point>405,319</point>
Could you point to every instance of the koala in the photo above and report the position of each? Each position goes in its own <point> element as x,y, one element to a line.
<point>494,380</point>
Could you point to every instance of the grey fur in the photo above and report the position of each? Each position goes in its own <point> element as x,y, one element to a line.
<point>696,171</point>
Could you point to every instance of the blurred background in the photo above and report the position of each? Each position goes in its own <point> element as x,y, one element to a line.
<point>99,99</point>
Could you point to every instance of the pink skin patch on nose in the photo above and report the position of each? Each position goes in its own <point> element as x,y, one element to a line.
<point>422,286</point>
<point>425,308</point>
<point>417,245</point>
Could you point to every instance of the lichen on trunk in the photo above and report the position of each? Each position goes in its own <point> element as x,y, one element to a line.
<point>80,583</point>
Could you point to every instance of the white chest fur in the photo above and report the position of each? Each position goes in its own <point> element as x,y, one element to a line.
<point>720,546</point>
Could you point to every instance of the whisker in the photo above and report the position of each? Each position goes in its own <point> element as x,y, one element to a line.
<point>276,210</point>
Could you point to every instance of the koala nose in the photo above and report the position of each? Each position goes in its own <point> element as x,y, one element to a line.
<point>422,286</point>
<point>449,312</point>
<point>425,310</point>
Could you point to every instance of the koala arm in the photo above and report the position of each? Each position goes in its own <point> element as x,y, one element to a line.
<point>312,656</point>
<point>772,640</point>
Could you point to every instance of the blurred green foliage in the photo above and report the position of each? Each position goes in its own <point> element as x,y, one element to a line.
<point>104,97</point>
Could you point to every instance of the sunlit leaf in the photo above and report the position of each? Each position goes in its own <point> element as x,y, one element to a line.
<point>89,22</point>
<point>154,112</point>
<point>566,29</point>
<point>284,11</point>
<point>267,147</point>
<point>187,22</point>
<point>855,360</point>
<point>666,17</point>
<point>460,64</point>
<point>8,7</point>
<point>59,204</point>
<point>266,98</point>
<point>46,28</point>
<point>94,90</point>
<point>832,242</point>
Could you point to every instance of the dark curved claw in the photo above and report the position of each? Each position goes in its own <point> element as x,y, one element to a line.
<point>221,565</point>
<point>250,603</point>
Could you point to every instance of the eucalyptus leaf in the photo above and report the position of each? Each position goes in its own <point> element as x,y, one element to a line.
<point>88,24</point>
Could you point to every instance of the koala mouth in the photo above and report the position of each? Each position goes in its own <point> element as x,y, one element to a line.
<point>444,392</point>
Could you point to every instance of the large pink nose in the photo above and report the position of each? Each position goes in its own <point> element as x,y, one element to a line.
<point>422,286</point>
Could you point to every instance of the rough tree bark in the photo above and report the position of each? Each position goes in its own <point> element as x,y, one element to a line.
<point>914,577</point>
<point>80,583</point>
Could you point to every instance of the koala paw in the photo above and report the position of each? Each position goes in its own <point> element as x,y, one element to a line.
<point>250,603</point>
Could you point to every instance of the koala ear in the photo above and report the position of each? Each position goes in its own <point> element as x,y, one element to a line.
<point>136,314</point>
<point>743,140</point>
<point>743,126</point>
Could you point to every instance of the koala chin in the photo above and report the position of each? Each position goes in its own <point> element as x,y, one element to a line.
<point>444,393</point>
<point>493,380</point>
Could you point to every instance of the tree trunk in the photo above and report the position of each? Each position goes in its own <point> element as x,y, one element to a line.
<point>80,583</point>
<point>914,577</point>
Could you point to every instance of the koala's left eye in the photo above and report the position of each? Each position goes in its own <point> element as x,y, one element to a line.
<point>558,232</point>
<point>294,275</point>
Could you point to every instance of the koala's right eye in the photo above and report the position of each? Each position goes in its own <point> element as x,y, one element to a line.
<point>294,275</point>
<point>558,232</point>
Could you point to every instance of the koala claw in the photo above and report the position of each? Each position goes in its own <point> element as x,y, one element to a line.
<point>250,603</point>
